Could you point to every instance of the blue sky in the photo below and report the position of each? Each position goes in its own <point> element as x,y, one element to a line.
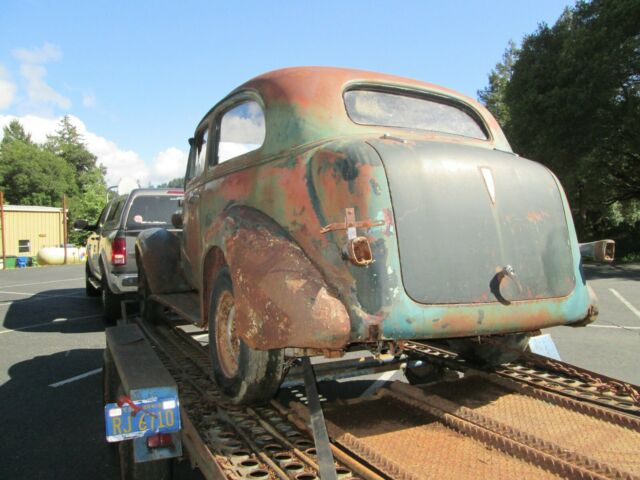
<point>137,76</point>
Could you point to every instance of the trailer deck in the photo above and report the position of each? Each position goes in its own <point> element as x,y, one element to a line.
<point>535,419</point>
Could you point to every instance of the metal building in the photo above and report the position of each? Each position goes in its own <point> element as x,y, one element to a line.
<point>28,229</point>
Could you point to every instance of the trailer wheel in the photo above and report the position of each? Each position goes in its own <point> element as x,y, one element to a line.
<point>90,290</point>
<point>110,302</point>
<point>244,375</point>
<point>499,350</point>
<point>150,310</point>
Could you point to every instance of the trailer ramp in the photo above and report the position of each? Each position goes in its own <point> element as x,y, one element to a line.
<point>482,425</point>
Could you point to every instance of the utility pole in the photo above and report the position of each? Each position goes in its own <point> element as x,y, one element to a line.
<point>64,226</point>
<point>4,257</point>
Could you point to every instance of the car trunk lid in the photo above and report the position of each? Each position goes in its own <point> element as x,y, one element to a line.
<point>476,225</point>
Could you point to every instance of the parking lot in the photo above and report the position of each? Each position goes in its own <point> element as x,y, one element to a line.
<point>52,339</point>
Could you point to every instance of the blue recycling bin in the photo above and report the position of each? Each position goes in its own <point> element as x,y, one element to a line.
<point>21,262</point>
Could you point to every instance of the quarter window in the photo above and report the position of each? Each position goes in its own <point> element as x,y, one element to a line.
<point>242,129</point>
<point>201,153</point>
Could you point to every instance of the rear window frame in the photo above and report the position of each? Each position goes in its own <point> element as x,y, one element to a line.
<point>125,216</point>
<point>420,95</point>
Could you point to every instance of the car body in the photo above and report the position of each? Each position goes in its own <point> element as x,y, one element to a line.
<point>111,268</point>
<point>348,207</point>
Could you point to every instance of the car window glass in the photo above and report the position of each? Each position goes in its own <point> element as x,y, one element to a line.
<point>103,215</point>
<point>114,213</point>
<point>149,211</point>
<point>200,153</point>
<point>242,129</point>
<point>371,107</point>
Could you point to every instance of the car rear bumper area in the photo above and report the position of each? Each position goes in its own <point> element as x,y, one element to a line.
<point>123,283</point>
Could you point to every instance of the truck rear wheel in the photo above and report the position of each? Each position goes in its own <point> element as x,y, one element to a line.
<point>244,375</point>
<point>90,290</point>
<point>150,310</point>
<point>110,302</point>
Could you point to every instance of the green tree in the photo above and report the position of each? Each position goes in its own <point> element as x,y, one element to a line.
<point>91,192</point>
<point>15,131</point>
<point>573,103</point>
<point>30,175</point>
<point>492,96</point>
<point>173,183</point>
<point>69,144</point>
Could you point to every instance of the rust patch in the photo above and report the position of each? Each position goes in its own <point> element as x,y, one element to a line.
<point>536,217</point>
<point>281,298</point>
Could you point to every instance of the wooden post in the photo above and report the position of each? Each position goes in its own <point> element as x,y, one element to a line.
<point>4,257</point>
<point>64,226</point>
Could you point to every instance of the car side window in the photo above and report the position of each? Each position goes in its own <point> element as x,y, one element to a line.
<point>114,213</point>
<point>241,130</point>
<point>103,215</point>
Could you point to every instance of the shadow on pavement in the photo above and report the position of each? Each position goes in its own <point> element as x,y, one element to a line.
<point>63,310</point>
<point>55,432</point>
<point>627,272</point>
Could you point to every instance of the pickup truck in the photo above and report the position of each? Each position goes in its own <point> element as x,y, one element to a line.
<point>111,270</point>
<point>328,209</point>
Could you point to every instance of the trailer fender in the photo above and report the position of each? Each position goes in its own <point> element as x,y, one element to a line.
<point>281,298</point>
<point>158,252</point>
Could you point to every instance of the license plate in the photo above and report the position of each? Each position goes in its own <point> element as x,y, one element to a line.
<point>157,415</point>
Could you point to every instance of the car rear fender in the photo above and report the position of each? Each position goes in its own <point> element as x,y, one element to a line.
<point>281,298</point>
<point>158,252</point>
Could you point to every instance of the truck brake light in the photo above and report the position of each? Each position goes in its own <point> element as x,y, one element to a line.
<point>119,251</point>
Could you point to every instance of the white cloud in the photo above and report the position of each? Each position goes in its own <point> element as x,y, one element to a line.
<point>7,89</point>
<point>38,91</point>
<point>89,100</point>
<point>47,53</point>
<point>167,164</point>
<point>41,97</point>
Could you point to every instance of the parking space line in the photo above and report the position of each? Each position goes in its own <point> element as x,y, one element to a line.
<point>625,302</point>
<point>77,377</point>
<point>56,320</point>
<point>42,283</point>
<point>379,383</point>
<point>614,326</point>
<point>32,294</point>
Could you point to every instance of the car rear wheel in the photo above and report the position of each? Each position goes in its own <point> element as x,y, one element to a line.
<point>425,373</point>
<point>110,303</point>
<point>493,351</point>
<point>150,310</point>
<point>244,375</point>
<point>90,290</point>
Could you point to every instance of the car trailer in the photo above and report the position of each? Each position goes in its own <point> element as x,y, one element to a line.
<point>538,418</point>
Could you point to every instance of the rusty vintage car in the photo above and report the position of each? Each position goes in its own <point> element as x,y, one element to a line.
<point>326,208</point>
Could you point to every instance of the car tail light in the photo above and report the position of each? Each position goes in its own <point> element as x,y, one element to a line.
<point>119,251</point>
<point>160,440</point>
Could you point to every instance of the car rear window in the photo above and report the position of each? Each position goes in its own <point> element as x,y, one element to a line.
<point>391,109</point>
<point>149,211</point>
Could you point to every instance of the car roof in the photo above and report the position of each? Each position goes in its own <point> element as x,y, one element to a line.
<point>305,104</point>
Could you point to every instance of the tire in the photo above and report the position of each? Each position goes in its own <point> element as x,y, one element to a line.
<point>150,311</point>
<point>110,303</point>
<point>500,349</point>
<point>426,373</point>
<point>244,375</point>
<point>90,290</point>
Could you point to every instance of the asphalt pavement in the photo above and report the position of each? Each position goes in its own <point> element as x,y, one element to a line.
<point>52,341</point>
